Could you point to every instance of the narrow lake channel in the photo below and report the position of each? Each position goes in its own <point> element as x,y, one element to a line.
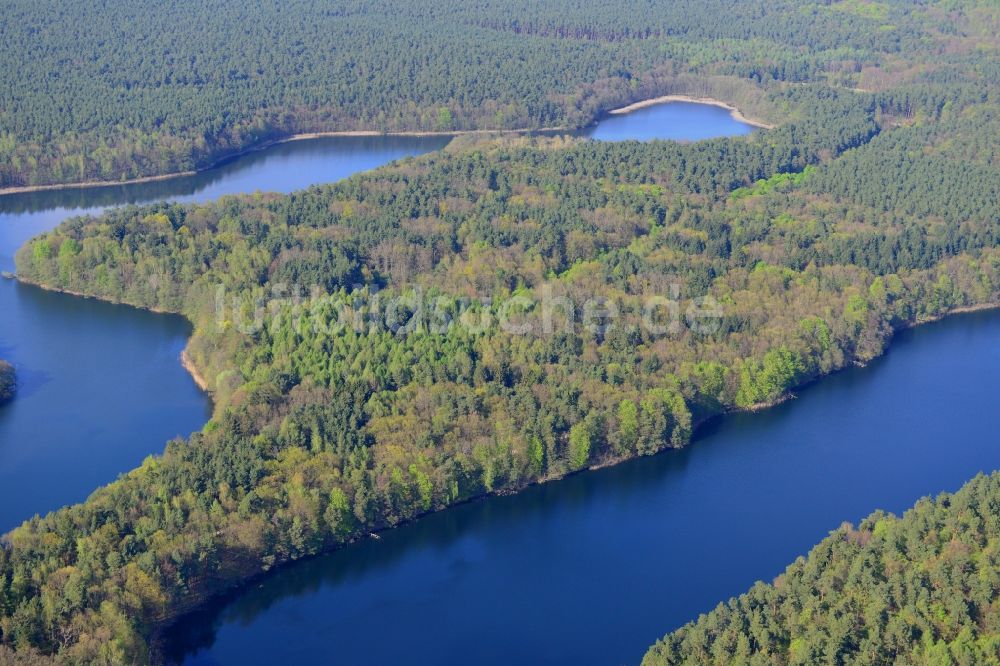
<point>593,568</point>
<point>590,569</point>
<point>100,385</point>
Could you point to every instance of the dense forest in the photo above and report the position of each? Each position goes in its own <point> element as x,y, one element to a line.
<point>326,429</point>
<point>921,589</point>
<point>111,91</point>
<point>513,309</point>
<point>8,381</point>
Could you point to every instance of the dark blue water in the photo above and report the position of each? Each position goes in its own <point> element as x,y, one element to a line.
<point>99,389</point>
<point>101,386</point>
<point>594,568</point>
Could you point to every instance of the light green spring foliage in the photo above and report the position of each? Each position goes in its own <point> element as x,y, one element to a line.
<point>321,435</point>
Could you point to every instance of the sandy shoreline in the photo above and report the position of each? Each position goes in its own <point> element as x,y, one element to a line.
<point>303,136</point>
<point>186,361</point>
<point>26,189</point>
<point>734,112</point>
<point>189,365</point>
<point>23,189</point>
<point>963,309</point>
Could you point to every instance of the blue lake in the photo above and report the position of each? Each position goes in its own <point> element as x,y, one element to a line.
<point>593,568</point>
<point>590,569</point>
<point>676,121</point>
<point>101,385</point>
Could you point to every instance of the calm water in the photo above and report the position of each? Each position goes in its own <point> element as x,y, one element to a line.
<point>592,569</point>
<point>101,388</point>
<point>101,385</point>
<point>677,121</point>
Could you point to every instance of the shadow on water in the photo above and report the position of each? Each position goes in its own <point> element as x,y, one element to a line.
<point>29,382</point>
<point>281,167</point>
<point>594,567</point>
<point>590,568</point>
<point>101,386</point>
<point>432,534</point>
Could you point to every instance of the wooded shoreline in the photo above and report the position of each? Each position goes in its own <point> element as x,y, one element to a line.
<point>305,136</point>
<point>159,633</point>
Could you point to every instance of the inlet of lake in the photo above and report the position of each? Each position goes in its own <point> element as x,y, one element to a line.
<point>590,569</point>
<point>100,385</point>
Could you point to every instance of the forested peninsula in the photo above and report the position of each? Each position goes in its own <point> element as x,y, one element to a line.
<point>8,381</point>
<point>382,347</point>
<point>921,589</point>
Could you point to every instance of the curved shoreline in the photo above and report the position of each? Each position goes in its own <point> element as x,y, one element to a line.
<point>160,631</point>
<point>69,292</point>
<point>304,136</point>
<point>192,370</point>
<point>162,626</point>
<point>185,358</point>
<point>709,101</point>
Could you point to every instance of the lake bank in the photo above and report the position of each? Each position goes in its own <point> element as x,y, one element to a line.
<point>78,294</point>
<point>192,369</point>
<point>709,101</point>
<point>184,358</point>
<point>304,136</point>
<point>357,158</point>
<point>27,189</point>
<point>736,114</point>
<point>659,530</point>
<point>702,428</point>
<point>965,309</point>
<point>99,388</point>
